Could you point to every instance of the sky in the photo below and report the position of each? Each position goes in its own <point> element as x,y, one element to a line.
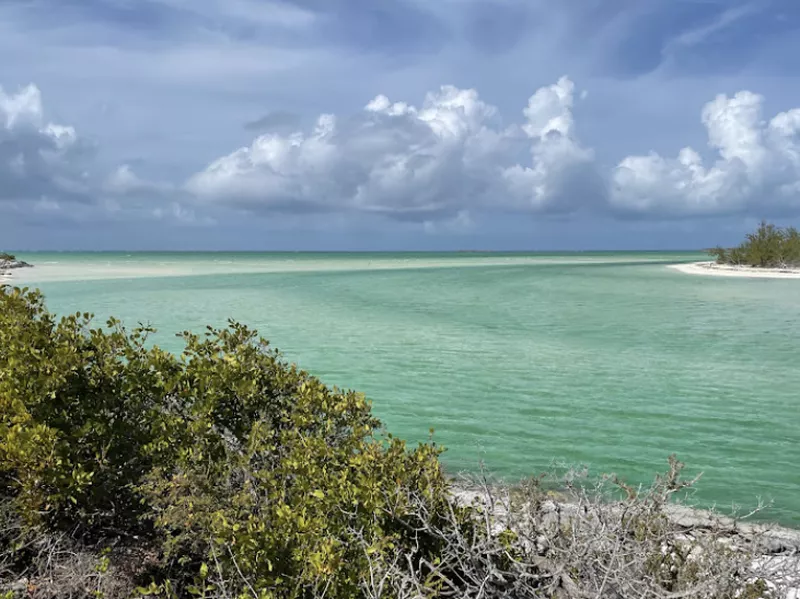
<point>396,125</point>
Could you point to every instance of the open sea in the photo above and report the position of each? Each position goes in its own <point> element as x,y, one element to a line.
<point>519,361</point>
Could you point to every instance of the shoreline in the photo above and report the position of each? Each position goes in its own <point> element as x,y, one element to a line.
<point>465,490</point>
<point>8,264</point>
<point>103,269</point>
<point>713,269</point>
<point>773,549</point>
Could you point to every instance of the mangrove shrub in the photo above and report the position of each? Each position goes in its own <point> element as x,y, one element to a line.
<point>225,456</point>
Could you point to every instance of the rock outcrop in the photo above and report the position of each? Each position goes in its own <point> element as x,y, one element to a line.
<point>8,263</point>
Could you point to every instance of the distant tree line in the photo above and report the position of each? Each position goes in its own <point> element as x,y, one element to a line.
<point>768,247</point>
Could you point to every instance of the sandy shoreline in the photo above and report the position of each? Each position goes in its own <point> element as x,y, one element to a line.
<point>100,269</point>
<point>49,272</point>
<point>723,270</point>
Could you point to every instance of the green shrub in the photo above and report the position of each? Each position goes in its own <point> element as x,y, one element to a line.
<point>768,247</point>
<point>225,455</point>
<point>791,246</point>
<point>282,478</point>
<point>764,246</point>
<point>720,254</point>
<point>79,408</point>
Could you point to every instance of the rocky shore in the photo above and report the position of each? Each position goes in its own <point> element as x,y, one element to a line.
<point>9,263</point>
<point>565,529</point>
<point>776,539</point>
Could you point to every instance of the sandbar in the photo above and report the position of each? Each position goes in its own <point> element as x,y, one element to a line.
<point>728,270</point>
<point>133,267</point>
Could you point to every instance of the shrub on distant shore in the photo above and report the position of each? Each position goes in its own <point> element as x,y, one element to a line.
<point>768,247</point>
<point>226,473</point>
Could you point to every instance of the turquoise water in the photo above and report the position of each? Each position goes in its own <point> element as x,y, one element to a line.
<point>609,360</point>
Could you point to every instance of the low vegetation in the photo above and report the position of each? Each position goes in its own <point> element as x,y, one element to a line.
<point>9,261</point>
<point>5,260</point>
<point>225,472</point>
<point>768,247</point>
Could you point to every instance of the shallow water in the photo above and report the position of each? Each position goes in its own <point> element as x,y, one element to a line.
<point>610,360</point>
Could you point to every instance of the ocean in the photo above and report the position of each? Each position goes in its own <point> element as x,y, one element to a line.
<point>519,362</point>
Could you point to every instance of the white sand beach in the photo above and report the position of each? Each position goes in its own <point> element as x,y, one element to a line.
<point>42,273</point>
<point>724,270</point>
<point>100,268</point>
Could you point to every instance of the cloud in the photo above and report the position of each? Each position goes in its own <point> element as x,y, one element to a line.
<point>154,21</point>
<point>38,158</point>
<point>178,214</point>
<point>562,177</point>
<point>452,156</point>
<point>392,27</point>
<point>630,38</point>
<point>125,182</point>
<point>756,171</point>
<point>695,36</point>
<point>460,223</point>
<point>413,163</point>
<point>47,175</point>
<point>443,165</point>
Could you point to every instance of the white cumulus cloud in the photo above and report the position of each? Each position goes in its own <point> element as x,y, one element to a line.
<point>37,158</point>
<point>562,175</point>
<point>440,164</point>
<point>424,163</point>
<point>756,169</point>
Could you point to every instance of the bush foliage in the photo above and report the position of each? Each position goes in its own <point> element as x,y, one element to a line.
<point>225,455</point>
<point>768,247</point>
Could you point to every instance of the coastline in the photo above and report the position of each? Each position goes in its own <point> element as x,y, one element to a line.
<point>724,270</point>
<point>100,267</point>
<point>8,264</point>
<point>772,550</point>
<point>50,272</point>
<point>783,538</point>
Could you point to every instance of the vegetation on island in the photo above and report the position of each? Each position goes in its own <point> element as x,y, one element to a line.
<point>8,261</point>
<point>768,247</point>
<point>5,260</point>
<point>226,472</point>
